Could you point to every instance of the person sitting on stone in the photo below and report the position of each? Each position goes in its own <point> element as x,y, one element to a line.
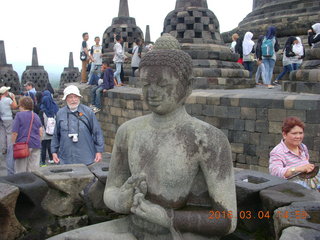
<point>107,83</point>
<point>234,37</point>
<point>168,169</point>
<point>299,50</point>
<point>291,156</point>
<point>77,136</point>
<point>314,34</point>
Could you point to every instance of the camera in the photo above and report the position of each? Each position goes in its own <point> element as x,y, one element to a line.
<point>74,137</point>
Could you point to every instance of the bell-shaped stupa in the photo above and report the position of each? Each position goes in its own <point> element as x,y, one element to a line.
<point>8,77</point>
<point>70,74</point>
<point>35,73</point>
<point>197,29</point>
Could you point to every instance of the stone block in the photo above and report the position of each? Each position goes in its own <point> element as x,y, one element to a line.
<point>95,195</point>
<point>298,113</point>
<point>208,110</point>
<point>129,105</point>
<point>237,147</point>
<point>240,136</point>
<point>66,182</point>
<point>313,116</point>
<point>250,150</point>
<point>239,125</point>
<point>248,113</point>
<point>262,126</point>
<point>241,158</point>
<point>299,233</point>
<point>277,115</point>
<point>250,125</point>
<point>254,138</point>
<point>70,223</point>
<point>262,113</point>
<point>250,183</point>
<point>100,170</point>
<point>285,194</point>
<point>10,227</point>
<point>275,127</point>
<point>267,139</point>
<point>304,214</point>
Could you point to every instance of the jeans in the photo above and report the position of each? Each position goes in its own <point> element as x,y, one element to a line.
<point>6,144</point>
<point>260,72</point>
<point>93,70</point>
<point>118,72</point>
<point>45,145</point>
<point>248,66</point>
<point>96,93</point>
<point>296,66</point>
<point>287,68</point>
<point>269,66</point>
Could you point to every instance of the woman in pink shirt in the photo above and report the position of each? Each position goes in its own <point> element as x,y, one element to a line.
<point>291,156</point>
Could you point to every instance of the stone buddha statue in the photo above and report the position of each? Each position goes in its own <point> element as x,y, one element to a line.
<point>168,170</point>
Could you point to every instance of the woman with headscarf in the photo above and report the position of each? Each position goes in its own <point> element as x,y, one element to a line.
<point>314,34</point>
<point>49,109</point>
<point>269,61</point>
<point>287,59</point>
<point>248,51</point>
<point>298,49</point>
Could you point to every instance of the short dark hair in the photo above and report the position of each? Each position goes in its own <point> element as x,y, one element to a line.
<point>29,84</point>
<point>26,102</point>
<point>291,122</point>
<point>138,41</point>
<point>106,62</point>
<point>84,34</point>
<point>96,37</point>
<point>118,37</point>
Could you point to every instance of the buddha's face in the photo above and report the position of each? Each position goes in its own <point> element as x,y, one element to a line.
<point>160,89</point>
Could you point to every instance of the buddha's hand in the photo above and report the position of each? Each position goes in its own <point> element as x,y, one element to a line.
<point>127,190</point>
<point>149,211</point>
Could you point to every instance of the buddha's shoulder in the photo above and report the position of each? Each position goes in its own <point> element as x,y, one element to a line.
<point>135,123</point>
<point>200,127</point>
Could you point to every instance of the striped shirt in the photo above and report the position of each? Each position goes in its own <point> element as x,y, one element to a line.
<point>281,159</point>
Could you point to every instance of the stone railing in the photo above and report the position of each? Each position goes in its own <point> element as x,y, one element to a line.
<point>250,118</point>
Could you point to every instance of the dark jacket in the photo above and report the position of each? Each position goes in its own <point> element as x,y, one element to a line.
<point>312,38</point>
<point>108,82</point>
<point>288,47</point>
<point>238,47</point>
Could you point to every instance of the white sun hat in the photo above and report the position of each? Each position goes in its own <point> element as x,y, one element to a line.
<point>72,89</point>
<point>4,89</point>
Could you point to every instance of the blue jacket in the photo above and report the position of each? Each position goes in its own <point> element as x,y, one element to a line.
<point>108,82</point>
<point>90,138</point>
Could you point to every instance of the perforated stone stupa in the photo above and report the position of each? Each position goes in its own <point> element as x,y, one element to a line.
<point>70,74</point>
<point>35,73</point>
<point>197,29</point>
<point>8,77</point>
<point>123,25</point>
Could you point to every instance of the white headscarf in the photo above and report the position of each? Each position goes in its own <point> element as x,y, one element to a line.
<point>298,48</point>
<point>316,28</point>
<point>247,43</point>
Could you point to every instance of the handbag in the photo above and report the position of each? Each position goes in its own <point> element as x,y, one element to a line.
<point>21,149</point>
<point>83,56</point>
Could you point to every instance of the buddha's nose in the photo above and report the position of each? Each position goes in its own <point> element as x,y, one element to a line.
<point>153,92</point>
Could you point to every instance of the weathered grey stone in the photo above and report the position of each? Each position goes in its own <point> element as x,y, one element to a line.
<point>95,195</point>
<point>100,170</point>
<point>10,226</point>
<point>70,223</point>
<point>35,73</point>
<point>299,214</point>
<point>161,164</point>
<point>8,77</point>
<point>298,233</point>
<point>285,194</point>
<point>66,182</point>
<point>250,183</point>
<point>70,74</point>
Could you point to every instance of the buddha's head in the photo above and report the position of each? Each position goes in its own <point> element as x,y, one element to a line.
<point>166,74</point>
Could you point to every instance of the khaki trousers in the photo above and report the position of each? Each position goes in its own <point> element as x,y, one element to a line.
<point>84,78</point>
<point>30,163</point>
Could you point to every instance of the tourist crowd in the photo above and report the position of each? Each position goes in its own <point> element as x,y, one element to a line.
<point>69,135</point>
<point>265,53</point>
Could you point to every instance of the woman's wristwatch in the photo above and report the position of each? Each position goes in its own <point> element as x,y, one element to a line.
<point>293,170</point>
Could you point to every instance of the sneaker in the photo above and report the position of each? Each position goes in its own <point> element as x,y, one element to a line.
<point>50,161</point>
<point>95,110</point>
<point>270,86</point>
<point>276,82</point>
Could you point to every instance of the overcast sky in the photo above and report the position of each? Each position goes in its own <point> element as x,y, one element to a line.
<point>55,27</point>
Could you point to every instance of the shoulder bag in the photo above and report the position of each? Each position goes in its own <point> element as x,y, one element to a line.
<point>21,149</point>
